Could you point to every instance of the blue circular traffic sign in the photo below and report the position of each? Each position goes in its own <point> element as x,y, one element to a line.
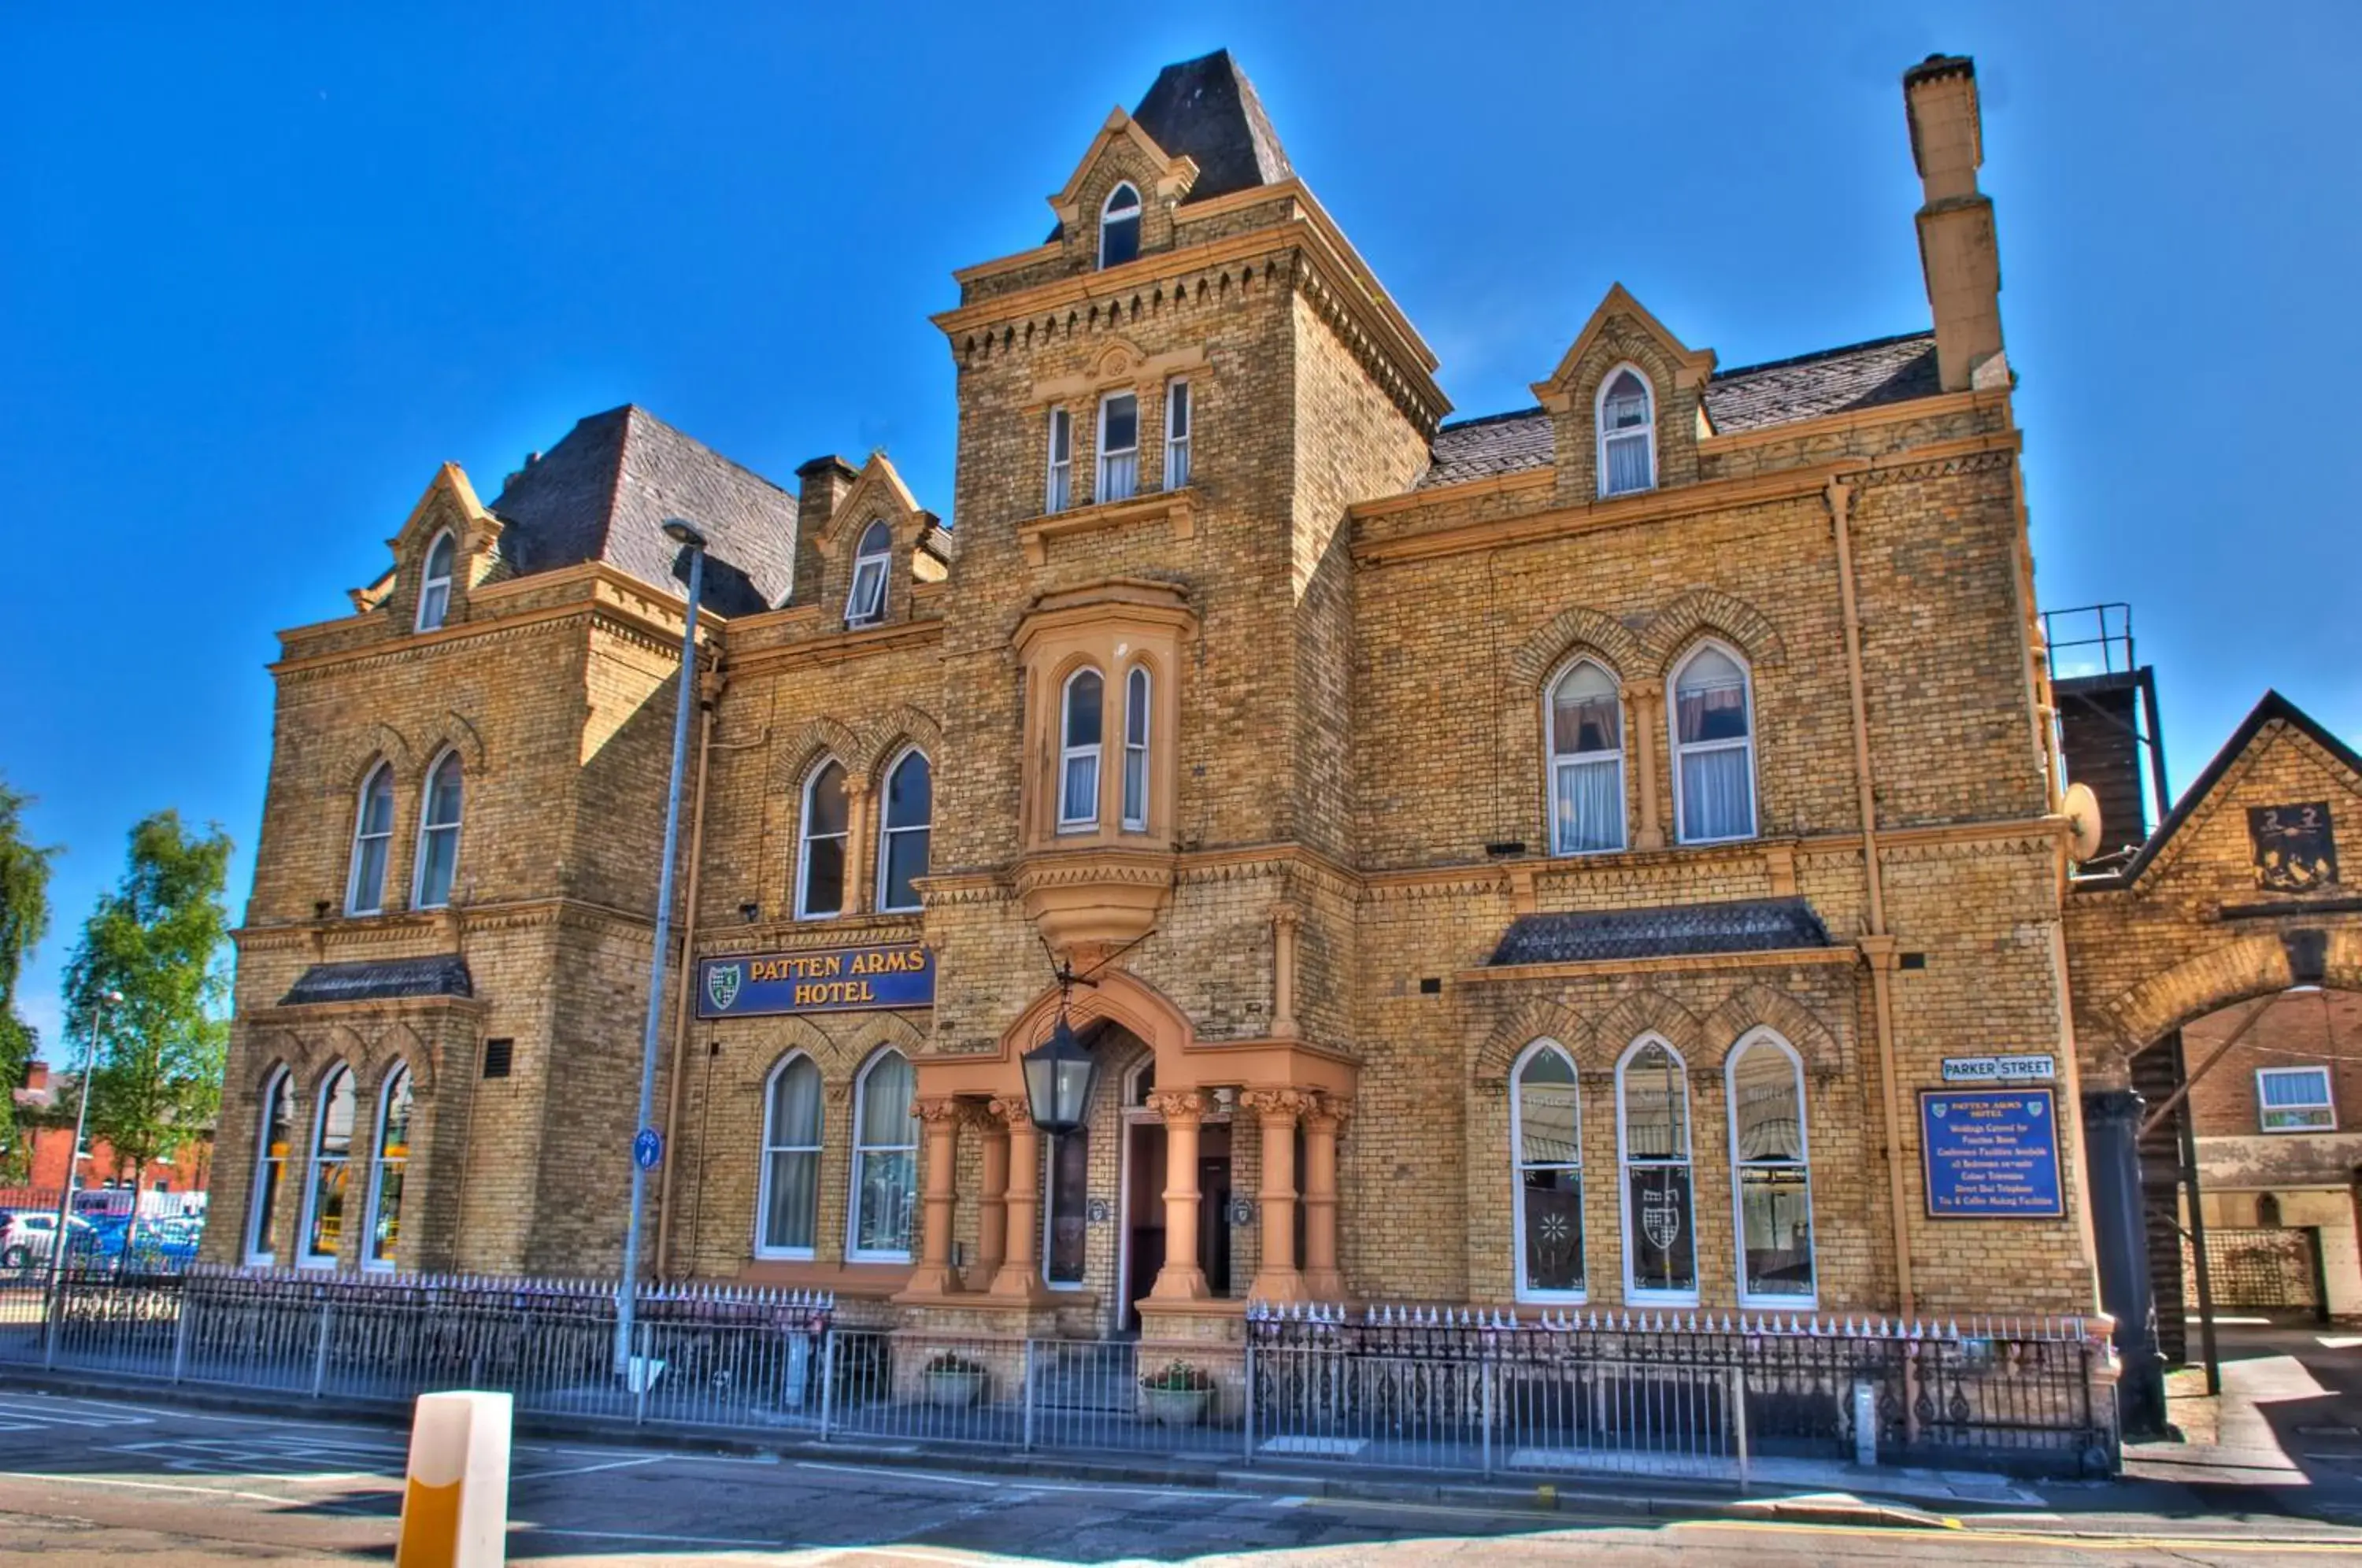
<point>647,1149</point>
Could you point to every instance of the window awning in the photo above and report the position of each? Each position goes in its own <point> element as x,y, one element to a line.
<point>381,979</point>
<point>1747,925</point>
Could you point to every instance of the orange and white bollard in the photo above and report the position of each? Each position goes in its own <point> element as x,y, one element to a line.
<point>455,1501</point>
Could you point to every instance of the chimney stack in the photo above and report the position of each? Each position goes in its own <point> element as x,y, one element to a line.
<point>820,484</point>
<point>1957,248</point>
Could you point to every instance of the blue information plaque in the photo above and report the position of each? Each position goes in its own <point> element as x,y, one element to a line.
<point>1991,1154</point>
<point>823,979</point>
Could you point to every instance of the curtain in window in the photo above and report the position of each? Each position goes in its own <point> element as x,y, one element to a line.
<point>1062,461</point>
<point>1118,447</point>
<point>1550,1175</point>
<point>1775,1202</point>
<point>438,834</point>
<point>392,1163</point>
<point>1659,1218</point>
<point>1590,806</point>
<point>1718,794</point>
<point>1176,435</point>
<point>1135,748</point>
<point>792,1158</point>
<point>1714,732</point>
<point>372,839</point>
<point>1078,800</point>
<point>1587,722</point>
<point>886,1158</point>
<point>332,1151</point>
<point>1627,463</point>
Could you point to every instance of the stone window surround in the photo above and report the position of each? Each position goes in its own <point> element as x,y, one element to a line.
<point>1600,432</point>
<point>1687,1163</point>
<point>1647,719</point>
<point>1121,365</point>
<point>1112,628</point>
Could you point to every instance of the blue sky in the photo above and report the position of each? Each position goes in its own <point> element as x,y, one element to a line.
<point>264,268</point>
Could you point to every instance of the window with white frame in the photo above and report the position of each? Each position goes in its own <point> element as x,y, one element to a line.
<point>1078,751</point>
<point>1118,447</point>
<point>1176,434</point>
<point>1061,493</point>
<point>396,1107</point>
<point>274,1146</point>
<point>1119,225</point>
<point>2294,1099</point>
<point>1628,432</point>
<point>1653,1114</point>
<point>885,1160</point>
<point>1586,740</point>
<point>904,829</point>
<point>789,1205</point>
<point>439,835</point>
<point>331,1158</point>
<point>1771,1173</point>
<point>373,843</point>
<point>1546,1139</point>
<point>1135,748</point>
<point>820,865</point>
<point>435,582</point>
<point>1713,747</point>
<point>867,601</point>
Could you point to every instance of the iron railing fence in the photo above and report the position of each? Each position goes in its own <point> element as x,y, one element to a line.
<point>1439,1389</point>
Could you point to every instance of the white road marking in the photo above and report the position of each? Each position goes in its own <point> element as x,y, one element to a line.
<point>880,1472</point>
<point>665,1540</point>
<point>141,1486</point>
<point>589,1469</point>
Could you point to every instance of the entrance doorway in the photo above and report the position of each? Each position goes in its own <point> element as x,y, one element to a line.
<point>1145,1243</point>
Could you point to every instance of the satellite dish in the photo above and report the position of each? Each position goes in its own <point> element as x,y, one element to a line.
<point>2082,811</point>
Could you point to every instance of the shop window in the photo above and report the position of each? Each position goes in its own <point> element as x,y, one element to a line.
<point>1713,747</point>
<point>1078,752</point>
<point>1119,225</point>
<point>789,1204</point>
<point>1586,740</point>
<point>435,582</point>
<point>2294,1099</point>
<point>273,1147</point>
<point>865,602</point>
<point>820,867</point>
<point>1652,1108</point>
<point>373,843</point>
<point>1546,1141</point>
<point>439,835</point>
<point>1628,432</point>
<point>904,831</point>
<point>396,1107</point>
<point>1772,1174</point>
<point>332,1155</point>
<point>885,1160</point>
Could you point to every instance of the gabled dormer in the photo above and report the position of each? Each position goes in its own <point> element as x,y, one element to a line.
<point>448,544</point>
<point>867,542</point>
<point>1626,404</point>
<point>1118,205</point>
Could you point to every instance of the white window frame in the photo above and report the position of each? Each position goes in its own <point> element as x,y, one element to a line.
<point>1519,1164</point>
<point>854,1253</point>
<point>886,828</point>
<point>382,772</point>
<point>426,830</point>
<point>1753,1039</point>
<point>1099,486</point>
<point>1059,486</point>
<point>1633,1294</point>
<point>1181,412</point>
<point>259,1253</point>
<point>805,837</point>
<point>869,571</point>
<point>1674,739</point>
<point>763,1178</point>
<point>378,1163</point>
<point>1109,211</point>
<point>320,1097</point>
<point>1647,433</point>
<point>2315,1070</point>
<point>433,590</point>
<point>1139,693</point>
<point>1582,758</point>
<point>1069,755</point>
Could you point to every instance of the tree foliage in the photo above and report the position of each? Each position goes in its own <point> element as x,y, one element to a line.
<point>24,921</point>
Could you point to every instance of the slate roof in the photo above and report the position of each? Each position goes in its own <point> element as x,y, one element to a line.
<point>1206,109</point>
<point>1748,925</point>
<point>1751,397</point>
<point>605,491</point>
<point>381,979</point>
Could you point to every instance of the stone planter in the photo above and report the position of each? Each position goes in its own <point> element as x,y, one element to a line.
<point>1175,1406</point>
<point>954,1390</point>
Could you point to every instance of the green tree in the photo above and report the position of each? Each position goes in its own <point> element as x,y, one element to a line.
<point>24,921</point>
<point>157,939</point>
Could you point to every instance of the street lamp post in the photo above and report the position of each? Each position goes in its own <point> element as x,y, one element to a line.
<point>647,1148</point>
<point>107,1002</point>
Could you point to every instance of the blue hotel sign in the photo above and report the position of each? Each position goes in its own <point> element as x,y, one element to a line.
<point>826,979</point>
<point>1991,1154</point>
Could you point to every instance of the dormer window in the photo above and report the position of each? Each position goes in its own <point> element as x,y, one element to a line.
<point>1627,433</point>
<point>1120,227</point>
<point>1118,447</point>
<point>866,603</point>
<point>435,583</point>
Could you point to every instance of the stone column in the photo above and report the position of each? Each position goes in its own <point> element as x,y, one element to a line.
<point>1019,1274</point>
<point>1277,1109</point>
<point>1184,1111</point>
<point>860,845</point>
<point>1644,735</point>
<point>992,1219</point>
<point>940,1120</point>
<point>1324,1121</point>
<point>1284,922</point>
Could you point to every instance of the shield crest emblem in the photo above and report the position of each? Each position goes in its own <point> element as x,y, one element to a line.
<point>721,983</point>
<point>1660,1216</point>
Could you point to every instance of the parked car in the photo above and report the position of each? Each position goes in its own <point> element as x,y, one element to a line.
<point>28,1238</point>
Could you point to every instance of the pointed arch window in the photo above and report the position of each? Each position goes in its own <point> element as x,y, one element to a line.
<point>902,837</point>
<point>885,1160</point>
<point>1652,1115</point>
<point>274,1146</point>
<point>331,1158</point>
<point>1119,225</point>
<point>1135,748</point>
<point>1586,740</point>
<point>820,867</point>
<point>373,843</point>
<point>1546,1141</point>
<point>439,835</point>
<point>1078,751</point>
<point>396,1107</point>
<point>1771,1173</point>
<point>435,581</point>
<point>1713,747</point>
<point>789,1205</point>
<point>866,601</point>
<point>1628,432</point>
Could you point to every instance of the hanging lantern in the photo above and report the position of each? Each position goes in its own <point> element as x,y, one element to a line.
<point>1059,1075</point>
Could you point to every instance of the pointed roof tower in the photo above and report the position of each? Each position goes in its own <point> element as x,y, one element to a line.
<point>1206,110</point>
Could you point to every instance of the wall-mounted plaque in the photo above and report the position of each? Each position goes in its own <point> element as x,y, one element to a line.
<point>2295,851</point>
<point>1991,1154</point>
<point>1098,1211</point>
<point>1241,1213</point>
<point>826,979</point>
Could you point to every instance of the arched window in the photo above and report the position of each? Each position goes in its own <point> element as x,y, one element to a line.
<point>905,830</point>
<point>866,601</point>
<point>1135,748</point>
<point>1586,740</point>
<point>1628,432</point>
<point>1713,747</point>
<point>1546,1141</point>
<point>394,1107</point>
<point>1118,447</point>
<point>820,870</point>
<point>435,582</point>
<point>331,1157</point>
<point>1653,1114</point>
<point>439,835</point>
<point>1119,225</point>
<point>788,1207</point>
<point>1078,751</point>
<point>1771,1173</point>
<point>274,1147</point>
<point>373,843</point>
<point>885,1160</point>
